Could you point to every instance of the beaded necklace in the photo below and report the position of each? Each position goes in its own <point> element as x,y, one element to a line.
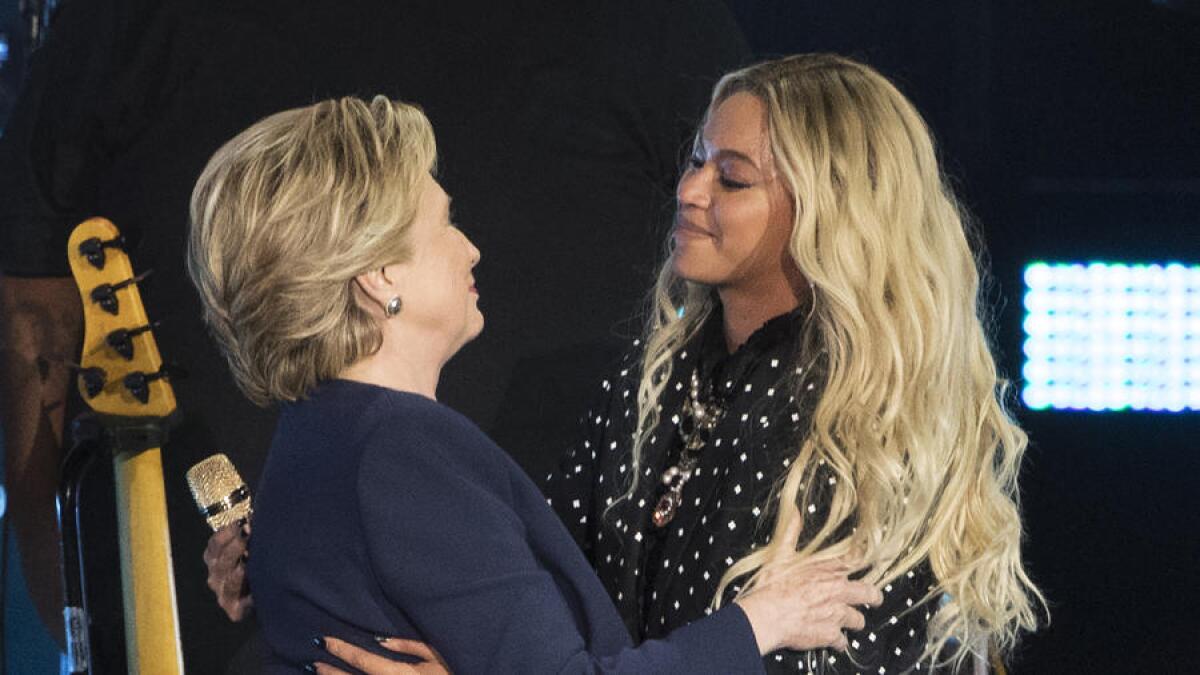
<point>696,420</point>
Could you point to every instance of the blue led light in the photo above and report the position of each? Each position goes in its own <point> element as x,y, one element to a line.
<point>1108,336</point>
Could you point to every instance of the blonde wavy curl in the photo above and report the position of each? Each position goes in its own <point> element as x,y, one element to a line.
<point>911,418</point>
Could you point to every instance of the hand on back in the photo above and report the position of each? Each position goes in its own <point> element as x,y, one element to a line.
<point>807,605</point>
<point>373,664</point>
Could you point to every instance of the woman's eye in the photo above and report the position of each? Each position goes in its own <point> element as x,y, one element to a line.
<point>696,162</point>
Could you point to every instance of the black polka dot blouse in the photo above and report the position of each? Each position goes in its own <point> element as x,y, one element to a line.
<point>663,578</point>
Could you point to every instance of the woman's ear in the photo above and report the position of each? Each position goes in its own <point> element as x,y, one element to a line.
<point>380,287</point>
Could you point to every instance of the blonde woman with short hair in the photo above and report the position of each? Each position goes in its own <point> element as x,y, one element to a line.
<point>337,285</point>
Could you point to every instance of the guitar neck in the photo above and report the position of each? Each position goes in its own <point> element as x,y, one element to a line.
<point>147,575</point>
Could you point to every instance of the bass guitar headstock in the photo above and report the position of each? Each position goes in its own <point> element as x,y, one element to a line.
<point>121,370</point>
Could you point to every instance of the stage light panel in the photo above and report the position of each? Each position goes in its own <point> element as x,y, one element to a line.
<point>1112,336</point>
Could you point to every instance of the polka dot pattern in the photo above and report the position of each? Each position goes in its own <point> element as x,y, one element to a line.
<point>661,579</point>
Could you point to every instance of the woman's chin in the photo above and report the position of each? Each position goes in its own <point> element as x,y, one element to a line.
<point>690,269</point>
<point>476,325</point>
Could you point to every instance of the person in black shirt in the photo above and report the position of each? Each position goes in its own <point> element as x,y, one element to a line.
<point>543,107</point>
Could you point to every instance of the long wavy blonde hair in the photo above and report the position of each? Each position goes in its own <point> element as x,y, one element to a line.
<point>911,419</point>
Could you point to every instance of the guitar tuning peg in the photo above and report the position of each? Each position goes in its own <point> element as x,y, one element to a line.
<point>121,342</point>
<point>138,383</point>
<point>105,295</point>
<point>93,249</point>
<point>121,339</point>
<point>94,380</point>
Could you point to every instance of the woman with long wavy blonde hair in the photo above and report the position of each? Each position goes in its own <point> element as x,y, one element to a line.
<point>815,228</point>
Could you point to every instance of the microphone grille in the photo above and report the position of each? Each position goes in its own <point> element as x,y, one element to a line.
<point>219,491</point>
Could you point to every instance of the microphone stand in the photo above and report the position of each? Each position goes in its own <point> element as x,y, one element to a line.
<point>88,443</point>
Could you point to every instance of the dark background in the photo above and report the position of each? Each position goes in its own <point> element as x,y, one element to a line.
<point>1070,132</point>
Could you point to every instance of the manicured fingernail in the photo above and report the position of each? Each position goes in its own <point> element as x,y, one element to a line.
<point>318,642</point>
<point>381,639</point>
<point>310,668</point>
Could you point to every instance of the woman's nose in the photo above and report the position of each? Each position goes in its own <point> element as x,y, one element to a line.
<point>472,251</point>
<point>693,188</point>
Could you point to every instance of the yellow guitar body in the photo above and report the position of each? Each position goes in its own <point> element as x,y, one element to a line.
<point>147,577</point>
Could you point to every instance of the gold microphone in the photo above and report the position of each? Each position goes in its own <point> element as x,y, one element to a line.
<point>220,493</point>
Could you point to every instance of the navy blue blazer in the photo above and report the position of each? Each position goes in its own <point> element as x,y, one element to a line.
<point>385,513</point>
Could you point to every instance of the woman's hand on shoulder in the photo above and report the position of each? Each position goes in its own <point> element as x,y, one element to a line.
<point>374,664</point>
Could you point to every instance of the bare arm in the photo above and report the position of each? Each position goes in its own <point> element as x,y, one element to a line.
<point>38,317</point>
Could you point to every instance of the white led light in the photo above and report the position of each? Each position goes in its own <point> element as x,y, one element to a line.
<point>1112,336</point>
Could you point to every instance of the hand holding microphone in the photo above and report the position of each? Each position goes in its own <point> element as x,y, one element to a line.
<point>224,501</point>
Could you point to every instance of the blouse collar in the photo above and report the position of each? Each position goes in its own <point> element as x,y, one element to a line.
<point>777,337</point>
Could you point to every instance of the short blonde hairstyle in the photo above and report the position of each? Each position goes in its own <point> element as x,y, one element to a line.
<point>284,217</point>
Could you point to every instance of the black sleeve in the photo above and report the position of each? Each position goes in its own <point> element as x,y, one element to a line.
<point>93,74</point>
<point>570,486</point>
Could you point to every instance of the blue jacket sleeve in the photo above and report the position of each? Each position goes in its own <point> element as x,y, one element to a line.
<point>451,553</point>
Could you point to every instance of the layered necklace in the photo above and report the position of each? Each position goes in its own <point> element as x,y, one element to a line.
<point>697,419</point>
